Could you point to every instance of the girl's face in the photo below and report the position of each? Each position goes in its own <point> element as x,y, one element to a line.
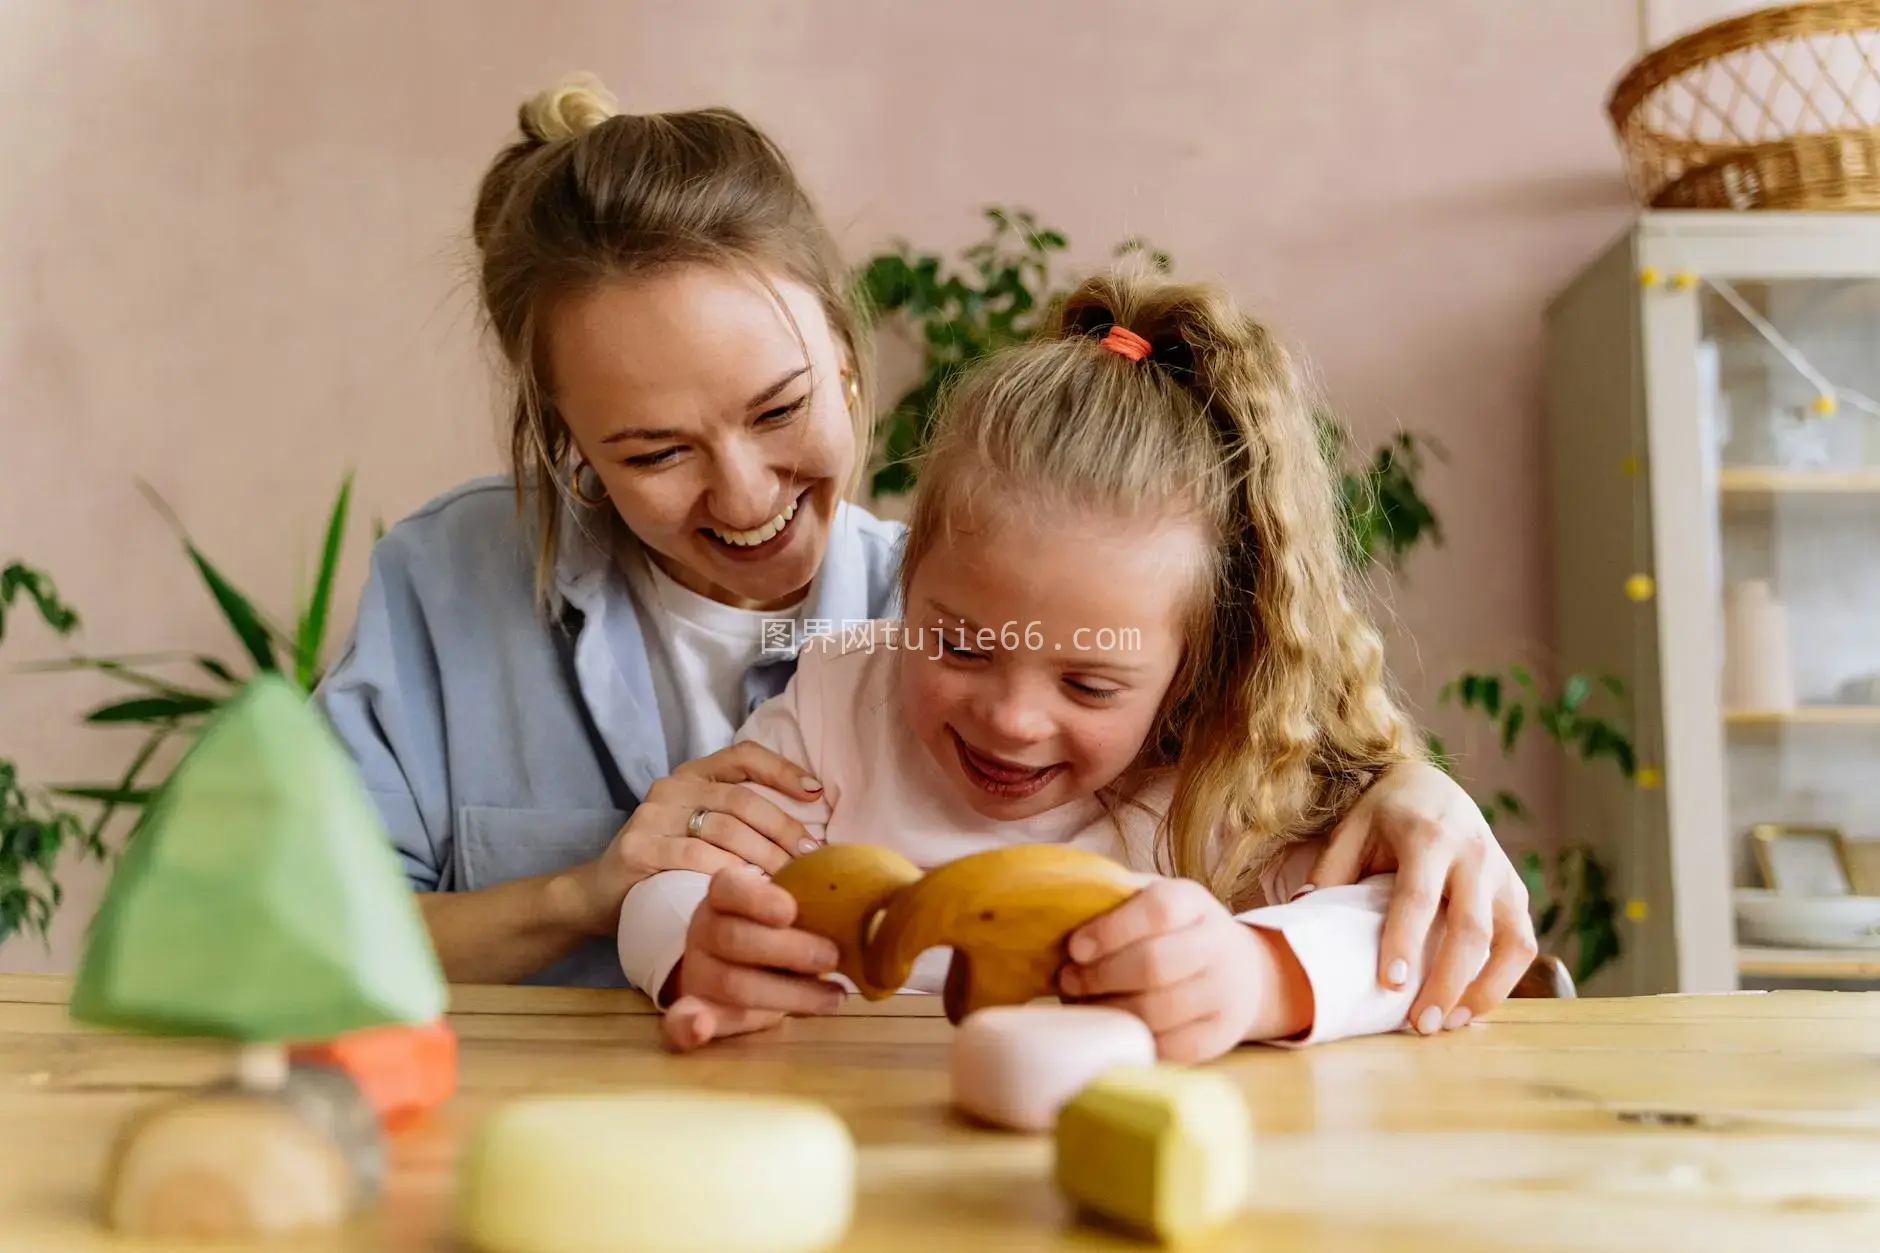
<point>1035,659</point>
<point>722,444</point>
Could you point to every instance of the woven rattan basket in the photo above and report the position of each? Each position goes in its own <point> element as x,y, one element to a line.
<point>1777,109</point>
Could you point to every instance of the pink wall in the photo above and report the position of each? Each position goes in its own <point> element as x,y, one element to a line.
<point>1665,20</point>
<point>232,264</point>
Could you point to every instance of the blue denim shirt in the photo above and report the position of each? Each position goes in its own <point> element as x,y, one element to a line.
<point>500,741</point>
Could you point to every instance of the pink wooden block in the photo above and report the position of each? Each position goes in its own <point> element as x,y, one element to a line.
<point>1015,1066</point>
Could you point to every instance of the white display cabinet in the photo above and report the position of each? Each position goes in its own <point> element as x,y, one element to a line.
<point>1714,466</point>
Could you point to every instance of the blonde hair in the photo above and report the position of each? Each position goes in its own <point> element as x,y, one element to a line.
<point>590,195</point>
<point>1278,716</point>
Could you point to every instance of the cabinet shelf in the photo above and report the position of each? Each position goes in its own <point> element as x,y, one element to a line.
<point>1807,963</point>
<point>1753,482</point>
<point>1805,716</point>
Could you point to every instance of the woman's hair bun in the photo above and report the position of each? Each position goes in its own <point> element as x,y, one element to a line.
<point>575,105</point>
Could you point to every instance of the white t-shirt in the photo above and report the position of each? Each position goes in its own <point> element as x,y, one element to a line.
<point>703,650</point>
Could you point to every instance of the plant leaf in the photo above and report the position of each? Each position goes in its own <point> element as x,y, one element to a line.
<point>153,709</point>
<point>240,613</point>
<point>1439,753</point>
<point>886,283</point>
<point>1533,875</point>
<point>117,670</point>
<point>108,795</point>
<point>126,785</point>
<point>1511,725</point>
<point>1574,694</point>
<point>19,578</point>
<point>311,637</point>
<point>217,669</point>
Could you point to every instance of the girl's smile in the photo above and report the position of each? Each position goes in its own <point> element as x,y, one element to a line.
<point>1004,780</point>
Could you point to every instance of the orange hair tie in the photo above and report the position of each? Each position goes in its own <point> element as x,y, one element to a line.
<point>1126,343</point>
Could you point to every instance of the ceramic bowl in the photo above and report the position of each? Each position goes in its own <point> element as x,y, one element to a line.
<point>1766,918</point>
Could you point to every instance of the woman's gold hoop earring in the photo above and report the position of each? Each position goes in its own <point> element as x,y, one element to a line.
<point>851,389</point>
<point>599,496</point>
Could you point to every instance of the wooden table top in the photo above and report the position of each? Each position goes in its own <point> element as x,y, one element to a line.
<point>1746,1122</point>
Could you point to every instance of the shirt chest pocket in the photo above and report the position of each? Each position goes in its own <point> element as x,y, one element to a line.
<point>498,845</point>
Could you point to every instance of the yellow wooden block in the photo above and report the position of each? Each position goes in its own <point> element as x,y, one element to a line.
<point>1160,1151</point>
<point>658,1171</point>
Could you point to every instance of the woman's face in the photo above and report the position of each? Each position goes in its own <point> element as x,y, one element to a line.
<point>722,444</point>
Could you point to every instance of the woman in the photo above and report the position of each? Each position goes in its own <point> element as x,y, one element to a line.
<point>541,699</point>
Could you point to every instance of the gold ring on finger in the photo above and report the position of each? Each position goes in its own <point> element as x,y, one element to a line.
<point>695,825</point>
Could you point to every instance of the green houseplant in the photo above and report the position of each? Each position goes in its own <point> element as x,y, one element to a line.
<point>38,824</point>
<point>992,300</point>
<point>34,831</point>
<point>995,295</point>
<point>1570,889</point>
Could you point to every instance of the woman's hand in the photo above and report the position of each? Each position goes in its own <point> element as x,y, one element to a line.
<point>745,967</point>
<point>1202,981</point>
<point>1418,821</point>
<point>739,828</point>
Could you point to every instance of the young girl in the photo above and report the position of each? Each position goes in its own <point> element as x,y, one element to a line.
<point>1127,628</point>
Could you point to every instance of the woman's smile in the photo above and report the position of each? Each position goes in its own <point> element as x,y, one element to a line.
<point>763,542</point>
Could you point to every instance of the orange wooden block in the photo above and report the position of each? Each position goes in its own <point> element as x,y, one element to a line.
<point>402,1070</point>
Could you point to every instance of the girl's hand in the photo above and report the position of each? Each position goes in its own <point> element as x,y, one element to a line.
<point>1202,981</point>
<point>1418,821</point>
<point>740,827</point>
<point>745,967</point>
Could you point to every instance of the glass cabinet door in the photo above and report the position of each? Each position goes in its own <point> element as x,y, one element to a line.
<point>1792,450</point>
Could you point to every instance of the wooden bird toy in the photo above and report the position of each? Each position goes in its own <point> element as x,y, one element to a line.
<point>840,891</point>
<point>258,900</point>
<point>1006,914</point>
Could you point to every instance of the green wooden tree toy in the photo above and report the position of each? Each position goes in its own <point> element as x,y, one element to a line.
<point>259,901</point>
